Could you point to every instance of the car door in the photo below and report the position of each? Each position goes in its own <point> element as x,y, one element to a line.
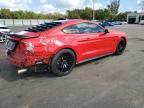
<point>83,40</point>
<point>89,39</point>
<point>105,43</point>
<point>94,41</point>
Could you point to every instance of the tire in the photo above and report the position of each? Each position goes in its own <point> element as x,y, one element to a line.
<point>120,47</point>
<point>63,62</point>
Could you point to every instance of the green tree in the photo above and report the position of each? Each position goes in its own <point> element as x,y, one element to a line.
<point>101,14</point>
<point>86,13</point>
<point>5,13</point>
<point>114,6</point>
<point>121,16</point>
<point>73,15</point>
<point>20,14</point>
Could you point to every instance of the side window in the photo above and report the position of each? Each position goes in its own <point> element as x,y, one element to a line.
<point>89,28</point>
<point>71,29</point>
<point>83,28</point>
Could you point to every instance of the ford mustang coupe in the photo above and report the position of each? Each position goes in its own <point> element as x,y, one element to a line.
<point>57,46</point>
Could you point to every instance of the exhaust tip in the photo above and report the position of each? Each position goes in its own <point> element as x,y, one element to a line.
<point>20,71</point>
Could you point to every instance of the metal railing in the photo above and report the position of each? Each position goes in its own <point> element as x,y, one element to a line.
<point>22,22</point>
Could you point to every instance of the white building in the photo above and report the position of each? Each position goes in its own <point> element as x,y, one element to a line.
<point>135,18</point>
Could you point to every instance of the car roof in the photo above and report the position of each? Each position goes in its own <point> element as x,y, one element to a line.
<point>70,21</point>
<point>55,23</point>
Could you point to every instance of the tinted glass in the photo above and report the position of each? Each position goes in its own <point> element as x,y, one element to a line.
<point>82,28</point>
<point>71,29</point>
<point>89,28</point>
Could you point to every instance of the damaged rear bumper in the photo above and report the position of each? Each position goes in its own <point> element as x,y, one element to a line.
<point>27,65</point>
<point>36,67</point>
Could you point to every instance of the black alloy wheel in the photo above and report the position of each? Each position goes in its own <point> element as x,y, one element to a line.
<point>63,62</point>
<point>121,47</point>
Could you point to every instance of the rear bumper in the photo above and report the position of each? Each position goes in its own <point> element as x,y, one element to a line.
<point>17,62</point>
<point>34,66</point>
<point>26,61</point>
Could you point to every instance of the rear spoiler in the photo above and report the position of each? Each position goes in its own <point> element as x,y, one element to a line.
<point>22,36</point>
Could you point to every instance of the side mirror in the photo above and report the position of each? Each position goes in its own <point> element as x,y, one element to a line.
<point>106,31</point>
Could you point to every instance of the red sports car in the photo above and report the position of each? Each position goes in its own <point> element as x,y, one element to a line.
<point>59,45</point>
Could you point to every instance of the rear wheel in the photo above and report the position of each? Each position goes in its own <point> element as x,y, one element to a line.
<point>63,62</point>
<point>121,47</point>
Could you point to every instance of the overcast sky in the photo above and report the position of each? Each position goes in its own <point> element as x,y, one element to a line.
<point>50,6</point>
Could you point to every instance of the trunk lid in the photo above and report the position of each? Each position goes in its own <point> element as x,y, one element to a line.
<point>24,35</point>
<point>15,39</point>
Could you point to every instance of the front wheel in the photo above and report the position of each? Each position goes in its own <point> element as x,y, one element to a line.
<point>63,62</point>
<point>121,47</point>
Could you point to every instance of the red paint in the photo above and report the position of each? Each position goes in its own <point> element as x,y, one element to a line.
<point>48,43</point>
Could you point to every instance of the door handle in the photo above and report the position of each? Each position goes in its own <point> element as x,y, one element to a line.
<point>86,39</point>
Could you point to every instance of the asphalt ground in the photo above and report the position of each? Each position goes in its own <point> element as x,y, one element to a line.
<point>109,82</point>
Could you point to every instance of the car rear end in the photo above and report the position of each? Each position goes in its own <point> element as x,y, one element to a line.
<point>32,47</point>
<point>24,51</point>
<point>16,52</point>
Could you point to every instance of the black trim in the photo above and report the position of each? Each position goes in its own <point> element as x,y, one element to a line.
<point>43,27</point>
<point>17,35</point>
<point>16,43</point>
<point>21,36</point>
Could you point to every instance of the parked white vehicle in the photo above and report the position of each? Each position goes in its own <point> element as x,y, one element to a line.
<point>4,31</point>
<point>124,23</point>
<point>141,22</point>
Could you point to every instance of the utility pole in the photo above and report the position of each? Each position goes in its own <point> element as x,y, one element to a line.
<point>93,1</point>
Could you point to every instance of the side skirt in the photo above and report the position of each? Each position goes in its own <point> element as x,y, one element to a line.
<point>89,59</point>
